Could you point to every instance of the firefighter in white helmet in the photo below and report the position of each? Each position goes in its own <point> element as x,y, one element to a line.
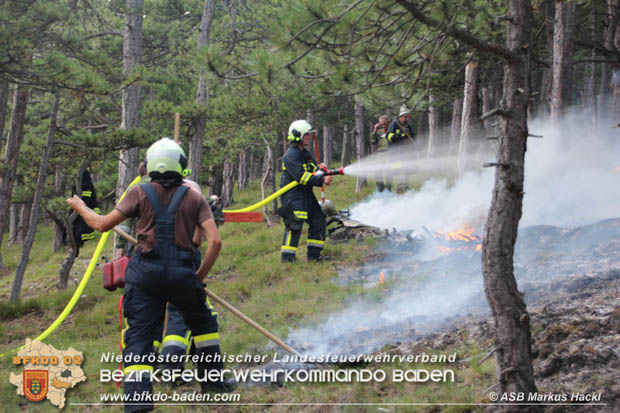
<point>299,205</point>
<point>162,268</point>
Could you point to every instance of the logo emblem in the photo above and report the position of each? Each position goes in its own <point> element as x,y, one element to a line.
<point>35,384</point>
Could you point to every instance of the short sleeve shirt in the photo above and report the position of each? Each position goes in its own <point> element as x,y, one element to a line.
<point>193,210</point>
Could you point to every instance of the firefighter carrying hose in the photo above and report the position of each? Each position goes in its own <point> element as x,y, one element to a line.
<point>299,204</point>
<point>161,269</point>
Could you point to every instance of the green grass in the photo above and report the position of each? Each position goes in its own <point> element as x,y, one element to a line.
<point>249,275</point>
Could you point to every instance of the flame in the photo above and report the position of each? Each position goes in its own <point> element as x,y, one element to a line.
<point>381,278</point>
<point>464,234</point>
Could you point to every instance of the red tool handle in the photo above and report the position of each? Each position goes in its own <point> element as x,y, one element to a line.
<point>318,159</point>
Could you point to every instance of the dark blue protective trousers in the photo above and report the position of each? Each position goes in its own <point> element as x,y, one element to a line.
<point>164,274</point>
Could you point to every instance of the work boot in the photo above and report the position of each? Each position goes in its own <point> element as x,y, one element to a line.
<point>319,258</point>
<point>224,386</point>
<point>288,258</point>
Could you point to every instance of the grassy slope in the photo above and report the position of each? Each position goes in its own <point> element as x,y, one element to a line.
<point>249,275</point>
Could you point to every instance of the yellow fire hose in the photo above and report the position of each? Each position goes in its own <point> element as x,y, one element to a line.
<point>99,249</point>
<point>80,288</point>
<point>266,200</point>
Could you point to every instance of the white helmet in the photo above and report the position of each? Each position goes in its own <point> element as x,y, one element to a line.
<point>298,129</point>
<point>403,111</point>
<point>165,155</point>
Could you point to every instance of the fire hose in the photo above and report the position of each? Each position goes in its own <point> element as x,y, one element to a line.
<point>322,171</point>
<point>104,238</point>
<point>97,254</point>
<point>80,288</point>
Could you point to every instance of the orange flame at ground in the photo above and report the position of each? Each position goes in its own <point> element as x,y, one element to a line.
<point>381,278</point>
<point>464,234</point>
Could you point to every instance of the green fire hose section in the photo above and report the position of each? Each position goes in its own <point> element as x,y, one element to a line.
<point>99,249</point>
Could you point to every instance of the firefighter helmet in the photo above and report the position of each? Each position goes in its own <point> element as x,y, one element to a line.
<point>165,155</point>
<point>298,129</point>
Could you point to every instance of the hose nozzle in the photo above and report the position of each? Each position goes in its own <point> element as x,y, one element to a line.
<point>325,171</point>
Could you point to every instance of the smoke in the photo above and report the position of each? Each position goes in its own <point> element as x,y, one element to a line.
<point>569,174</point>
<point>438,205</point>
<point>570,180</point>
<point>365,324</point>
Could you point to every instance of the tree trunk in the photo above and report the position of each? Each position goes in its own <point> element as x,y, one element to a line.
<point>345,156</point>
<point>359,142</point>
<point>563,34</point>
<point>251,159</point>
<point>608,43</point>
<point>59,190</point>
<point>4,99</point>
<point>589,102</point>
<point>513,357</point>
<point>433,128</point>
<point>546,91</point>
<point>486,105</point>
<point>228,175</point>
<point>202,95</point>
<point>310,118</point>
<point>34,215</point>
<point>327,145</point>
<point>216,180</point>
<point>11,154</point>
<point>13,222</point>
<point>24,222</point>
<point>131,105</point>
<point>268,172</point>
<point>242,174</point>
<point>455,129</point>
<point>268,175</point>
<point>615,89</point>
<point>275,162</point>
<point>469,121</point>
<point>67,264</point>
<point>421,133</point>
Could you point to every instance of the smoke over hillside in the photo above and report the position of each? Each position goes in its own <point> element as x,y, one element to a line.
<point>572,179</point>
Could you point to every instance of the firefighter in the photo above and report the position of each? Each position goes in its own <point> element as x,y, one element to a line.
<point>378,140</point>
<point>299,204</point>
<point>81,231</point>
<point>161,270</point>
<point>177,337</point>
<point>399,133</point>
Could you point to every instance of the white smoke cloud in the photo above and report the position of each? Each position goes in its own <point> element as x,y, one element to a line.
<point>569,174</point>
<point>569,180</point>
<point>437,205</point>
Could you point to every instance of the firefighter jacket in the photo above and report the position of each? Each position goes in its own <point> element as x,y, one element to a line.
<point>298,165</point>
<point>398,133</point>
<point>378,140</point>
<point>81,231</point>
